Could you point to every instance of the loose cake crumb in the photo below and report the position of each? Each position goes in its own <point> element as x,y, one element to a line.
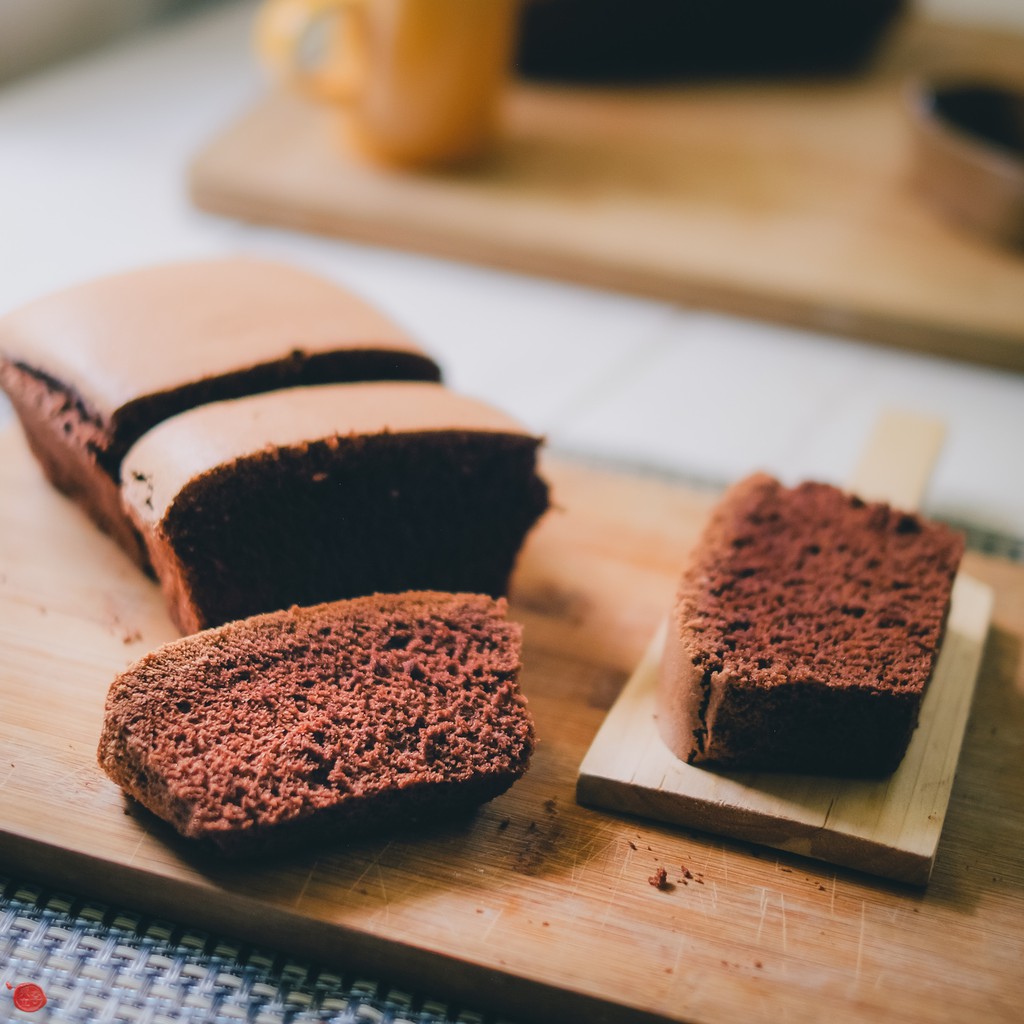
<point>660,879</point>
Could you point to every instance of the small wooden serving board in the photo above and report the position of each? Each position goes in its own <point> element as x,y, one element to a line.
<point>536,908</point>
<point>791,201</point>
<point>888,827</point>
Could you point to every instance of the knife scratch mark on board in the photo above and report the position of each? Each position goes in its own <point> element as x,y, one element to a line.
<point>764,910</point>
<point>679,955</point>
<point>490,927</point>
<point>590,852</point>
<point>370,864</point>
<point>384,894</point>
<point>611,897</point>
<point>860,941</point>
<point>305,886</point>
<point>702,904</point>
<point>138,846</point>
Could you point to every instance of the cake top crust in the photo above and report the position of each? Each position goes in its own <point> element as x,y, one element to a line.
<point>182,448</point>
<point>812,585</point>
<point>117,339</point>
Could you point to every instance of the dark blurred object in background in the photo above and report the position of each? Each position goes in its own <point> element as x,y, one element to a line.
<point>992,114</point>
<point>969,155</point>
<point>600,41</point>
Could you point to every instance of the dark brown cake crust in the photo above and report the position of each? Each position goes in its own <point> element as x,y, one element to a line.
<point>81,452</point>
<point>314,722</point>
<point>805,630</point>
<point>332,519</point>
<point>71,445</point>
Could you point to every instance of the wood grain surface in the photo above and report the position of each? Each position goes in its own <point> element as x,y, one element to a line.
<point>536,907</point>
<point>793,201</point>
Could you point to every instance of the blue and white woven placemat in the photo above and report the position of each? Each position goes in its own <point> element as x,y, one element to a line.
<point>96,964</point>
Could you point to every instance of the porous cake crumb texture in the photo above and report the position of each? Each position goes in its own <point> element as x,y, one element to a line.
<point>807,626</point>
<point>323,719</point>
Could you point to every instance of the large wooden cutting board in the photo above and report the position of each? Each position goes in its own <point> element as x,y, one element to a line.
<point>790,201</point>
<point>537,907</point>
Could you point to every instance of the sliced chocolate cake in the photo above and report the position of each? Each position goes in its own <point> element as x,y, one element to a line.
<point>90,369</point>
<point>311,724</point>
<point>804,632</point>
<point>312,494</point>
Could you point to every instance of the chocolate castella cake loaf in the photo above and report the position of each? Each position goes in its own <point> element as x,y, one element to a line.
<point>805,631</point>
<point>313,722</point>
<point>90,369</point>
<point>312,494</point>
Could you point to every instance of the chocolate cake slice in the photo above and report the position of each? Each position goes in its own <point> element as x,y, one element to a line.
<point>90,369</point>
<point>805,631</point>
<point>313,494</point>
<point>314,723</point>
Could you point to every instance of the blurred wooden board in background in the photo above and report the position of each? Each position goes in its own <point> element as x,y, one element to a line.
<point>790,201</point>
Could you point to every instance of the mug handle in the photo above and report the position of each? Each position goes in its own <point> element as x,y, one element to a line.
<point>283,28</point>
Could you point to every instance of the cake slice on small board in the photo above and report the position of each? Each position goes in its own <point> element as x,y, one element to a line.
<point>888,827</point>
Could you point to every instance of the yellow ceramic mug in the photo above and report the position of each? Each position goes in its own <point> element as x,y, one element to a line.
<point>417,81</point>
